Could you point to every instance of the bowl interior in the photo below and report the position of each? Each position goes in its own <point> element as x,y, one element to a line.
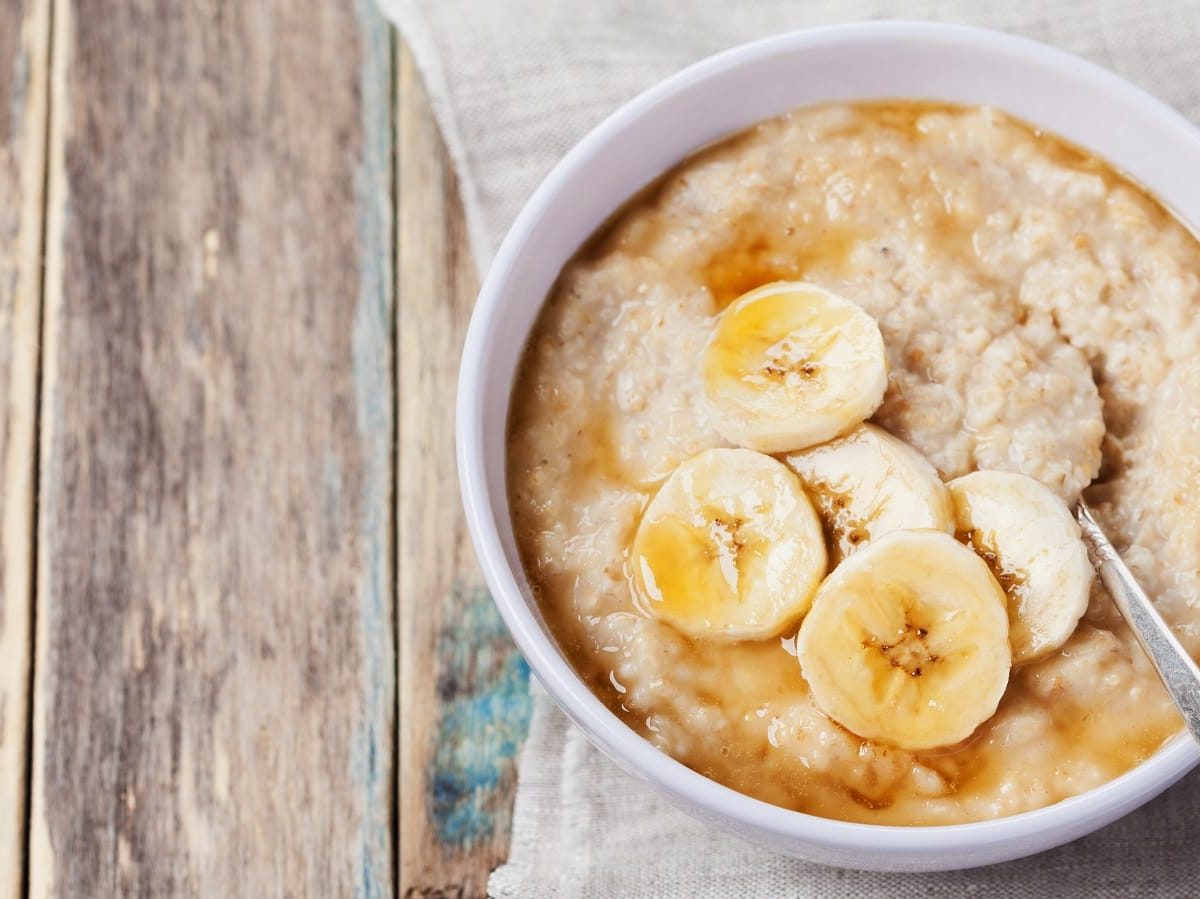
<point>1048,88</point>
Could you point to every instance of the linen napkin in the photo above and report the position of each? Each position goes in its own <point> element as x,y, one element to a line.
<point>514,83</point>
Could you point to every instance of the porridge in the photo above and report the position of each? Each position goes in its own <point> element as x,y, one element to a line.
<point>720,571</point>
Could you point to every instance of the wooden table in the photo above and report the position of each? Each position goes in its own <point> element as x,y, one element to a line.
<point>244,648</point>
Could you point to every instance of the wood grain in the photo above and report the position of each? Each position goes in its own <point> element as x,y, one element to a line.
<point>24,71</point>
<point>464,701</point>
<point>214,654</point>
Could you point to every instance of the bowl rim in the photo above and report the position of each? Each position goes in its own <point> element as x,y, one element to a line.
<point>620,742</point>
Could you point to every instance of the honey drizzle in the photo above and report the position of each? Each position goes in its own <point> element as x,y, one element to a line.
<point>758,257</point>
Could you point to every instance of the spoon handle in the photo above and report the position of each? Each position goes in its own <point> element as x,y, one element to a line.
<point>1178,672</point>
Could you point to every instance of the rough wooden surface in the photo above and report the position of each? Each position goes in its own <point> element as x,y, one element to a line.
<point>24,48</point>
<point>214,661</point>
<point>464,704</point>
<point>246,467</point>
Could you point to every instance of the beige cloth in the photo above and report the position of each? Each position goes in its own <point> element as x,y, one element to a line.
<point>514,84</point>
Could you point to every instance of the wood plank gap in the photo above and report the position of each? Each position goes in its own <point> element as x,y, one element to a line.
<point>394,519</point>
<point>24,75</point>
<point>38,879</point>
<point>35,459</point>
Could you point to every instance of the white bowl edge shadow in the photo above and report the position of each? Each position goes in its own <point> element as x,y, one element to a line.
<point>715,97</point>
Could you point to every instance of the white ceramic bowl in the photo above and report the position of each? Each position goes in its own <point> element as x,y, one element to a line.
<point>649,135</point>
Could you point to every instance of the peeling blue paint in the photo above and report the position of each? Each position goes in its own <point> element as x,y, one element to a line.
<point>483,686</point>
<point>371,339</point>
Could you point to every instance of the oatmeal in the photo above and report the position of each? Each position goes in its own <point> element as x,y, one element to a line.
<point>1038,316</point>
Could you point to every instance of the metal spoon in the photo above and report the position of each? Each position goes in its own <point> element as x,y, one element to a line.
<point>1179,673</point>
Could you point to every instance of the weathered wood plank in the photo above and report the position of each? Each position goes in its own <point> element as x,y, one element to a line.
<point>24,62</point>
<point>214,656</point>
<point>464,702</point>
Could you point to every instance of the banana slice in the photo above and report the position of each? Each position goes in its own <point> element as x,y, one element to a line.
<point>1027,535</point>
<point>907,642</point>
<point>867,484</point>
<point>790,365</point>
<point>729,547</point>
